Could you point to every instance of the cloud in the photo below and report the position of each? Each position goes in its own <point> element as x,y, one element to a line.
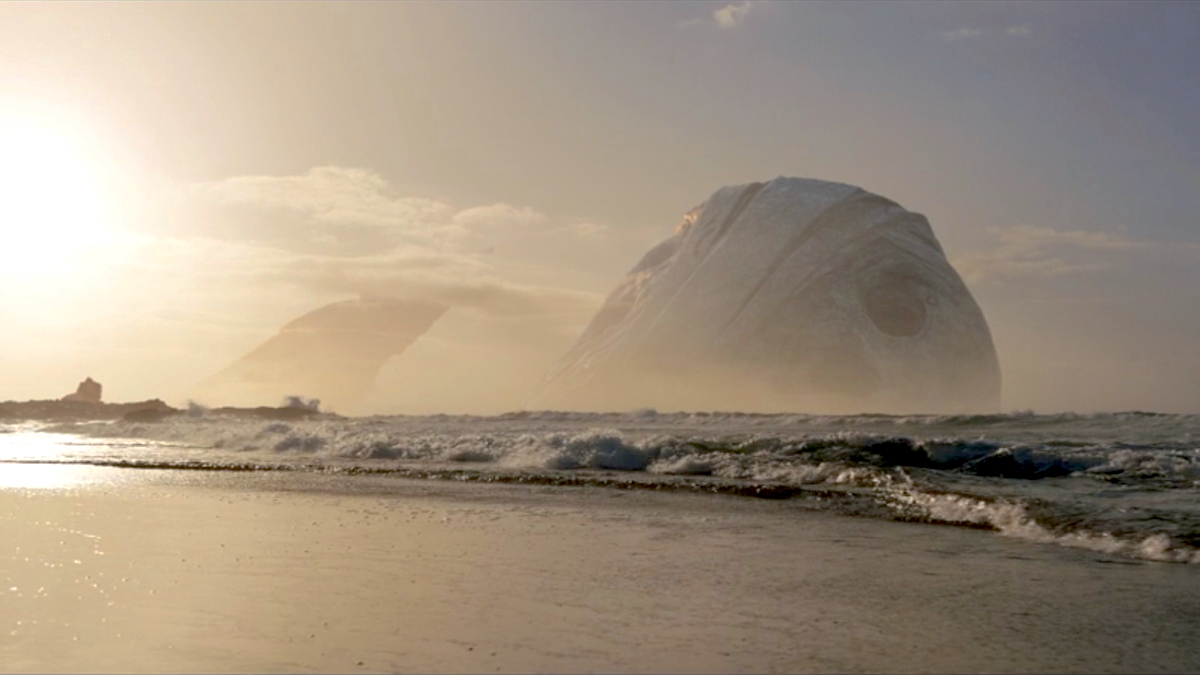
<point>1029,236</point>
<point>961,34</point>
<point>588,230</point>
<point>732,15</point>
<point>459,281</point>
<point>337,231</point>
<point>970,33</point>
<point>727,17</point>
<point>335,210</point>
<point>330,194</point>
<point>345,211</point>
<point>498,216</point>
<point>1027,251</point>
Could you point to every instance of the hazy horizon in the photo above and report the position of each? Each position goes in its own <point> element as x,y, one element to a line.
<point>178,181</point>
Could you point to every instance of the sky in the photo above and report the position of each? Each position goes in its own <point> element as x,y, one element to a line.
<point>179,180</point>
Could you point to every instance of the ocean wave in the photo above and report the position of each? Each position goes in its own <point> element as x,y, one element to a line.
<point>1012,519</point>
<point>1115,483</point>
<point>679,449</point>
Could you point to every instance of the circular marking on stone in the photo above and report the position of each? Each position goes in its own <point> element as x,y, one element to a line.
<point>896,306</point>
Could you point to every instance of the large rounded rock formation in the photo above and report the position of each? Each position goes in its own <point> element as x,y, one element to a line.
<point>793,295</point>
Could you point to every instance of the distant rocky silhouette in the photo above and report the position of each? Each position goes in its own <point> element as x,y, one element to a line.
<point>87,392</point>
<point>333,354</point>
<point>283,413</point>
<point>67,409</point>
<point>151,411</point>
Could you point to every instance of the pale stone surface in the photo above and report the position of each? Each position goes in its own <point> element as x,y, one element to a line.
<point>791,295</point>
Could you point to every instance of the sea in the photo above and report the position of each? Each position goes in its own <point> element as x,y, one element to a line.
<point>1125,485</point>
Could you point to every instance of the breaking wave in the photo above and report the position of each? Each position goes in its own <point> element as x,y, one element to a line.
<point>1119,484</point>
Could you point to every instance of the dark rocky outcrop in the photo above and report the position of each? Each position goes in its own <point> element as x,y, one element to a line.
<point>75,411</point>
<point>150,411</point>
<point>88,391</point>
<point>284,413</point>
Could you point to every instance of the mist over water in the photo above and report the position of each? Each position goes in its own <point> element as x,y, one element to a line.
<point>792,294</point>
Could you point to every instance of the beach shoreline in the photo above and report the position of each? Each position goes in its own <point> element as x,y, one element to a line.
<point>124,570</point>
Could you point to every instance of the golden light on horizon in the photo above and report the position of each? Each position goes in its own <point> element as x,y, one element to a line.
<point>52,204</point>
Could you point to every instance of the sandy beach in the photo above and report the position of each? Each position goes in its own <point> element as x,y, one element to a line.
<point>122,570</point>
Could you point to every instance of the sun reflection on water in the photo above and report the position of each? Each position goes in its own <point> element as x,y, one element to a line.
<point>31,459</point>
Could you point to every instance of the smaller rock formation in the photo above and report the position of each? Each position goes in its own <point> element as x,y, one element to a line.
<point>150,411</point>
<point>87,392</point>
<point>281,413</point>
<point>332,353</point>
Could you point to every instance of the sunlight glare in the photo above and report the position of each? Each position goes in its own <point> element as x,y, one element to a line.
<point>36,460</point>
<point>52,208</point>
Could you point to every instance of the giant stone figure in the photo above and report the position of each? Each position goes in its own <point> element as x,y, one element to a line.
<point>792,295</point>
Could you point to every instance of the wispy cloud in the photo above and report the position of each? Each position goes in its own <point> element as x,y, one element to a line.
<point>588,229</point>
<point>1027,251</point>
<point>727,17</point>
<point>961,34</point>
<point>498,216</point>
<point>335,211</point>
<point>971,32</point>
<point>341,231</point>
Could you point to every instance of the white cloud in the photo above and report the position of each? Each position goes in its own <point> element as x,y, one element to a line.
<point>498,216</point>
<point>335,210</point>
<point>1027,251</point>
<point>331,194</point>
<point>727,17</point>
<point>1030,236</point>
<point>732,15</point>
<point>1023,29</point>
<point>340,231</point>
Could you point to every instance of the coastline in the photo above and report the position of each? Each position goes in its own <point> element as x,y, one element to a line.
<point>128,570</point>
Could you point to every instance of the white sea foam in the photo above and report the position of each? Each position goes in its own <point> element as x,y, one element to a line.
<point>1118,484</point>
<point>1012,519</point>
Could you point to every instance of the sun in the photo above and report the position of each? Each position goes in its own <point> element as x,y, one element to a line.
<point>52,207</point>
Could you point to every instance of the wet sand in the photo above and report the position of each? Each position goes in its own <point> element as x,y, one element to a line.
<point>120,570</point>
